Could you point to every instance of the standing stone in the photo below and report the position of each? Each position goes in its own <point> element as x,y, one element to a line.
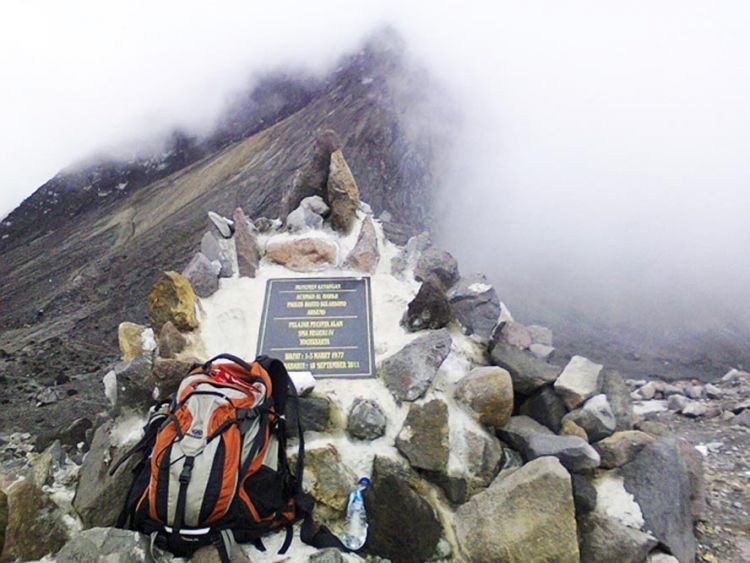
<point>248,256</point>
<point>35,524</point>
<point>487,392</point>
<point>621,447</point>
<point>578,381</point>
<point>171,341</point>
<point>429,309</point>
<point>365,254</point>
<point>423,440</point>
<point>110,545</point>
<point>527,515</point>
<point>410,371</point>
<point>546,407</point>
<point>527,372</point>
<point>303,255</point>
<point>595,417</point>
<point>217,249</point>
<point>203,275</point>
<point>658,479</point>
<point>476,305</point>
<point>403,526</point>
<point>616,390</point>
<point>343,194</point>
<point>438,263</point>
<point>172,299</point>
<point>366,420</point>
<point>329,481</point>
<point>129,337</point>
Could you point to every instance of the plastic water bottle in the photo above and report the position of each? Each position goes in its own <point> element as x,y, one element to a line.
<point>355,533</point>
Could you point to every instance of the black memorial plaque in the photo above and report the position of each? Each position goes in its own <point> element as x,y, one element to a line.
<point>321,325</point>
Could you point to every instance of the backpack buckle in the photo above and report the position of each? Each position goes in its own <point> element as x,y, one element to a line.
<point>187,470</point>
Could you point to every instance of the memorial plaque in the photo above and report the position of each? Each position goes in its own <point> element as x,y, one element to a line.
<point>320,325</point>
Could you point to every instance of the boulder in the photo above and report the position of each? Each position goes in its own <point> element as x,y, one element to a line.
<point>366,420</point>
<point>132,384</point>
<point>573,452</point>
<point>677,402</point>
<point>129,337</point>
<point>411,252</point>
<point>513,333</point>
<point>517,432</point>
<point>487,393</point>
<point>423,439</point>
<point>659,480</point>
<point>167,375</point>
<point>203,275</point>
<point>476,305</point>
<point>578,381</point>
<point>429,309</point>
<point>546,407</point>
<point>527,372</point>
<point>694,409</point>
<point>365,254</point>
<point>304,254</point>
<point>403,527</point>
<point>35,525</point>
<point>570,428</point>
<point>696,481</point>
<point>542,351</point>
<point>342,194</point>
<point>621,447</point>
<point>614,387</point>
<point>527,515</point>
<point>217,249</point>
<point>595,417</point>
<point>172,299</point>
<point>409,372</point>
<point>303,219</point>
<point>246,246</point>
<point>438,263</point>
<point>327,479</point>
<point>315,414</point>
<point>110,545</point>
<point>540,335</point>
<point>584,494</point>
<point>316,204</point>
<point>224,226</point>
<point>171,341</point>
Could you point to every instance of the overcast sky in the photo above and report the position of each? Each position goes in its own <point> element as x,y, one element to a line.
<point>604,143</point>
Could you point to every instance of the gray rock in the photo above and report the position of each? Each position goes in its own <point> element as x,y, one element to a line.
<point>528,515</point>
<point>171,341</point>
<point>224,226</point>
<point>438,263</point>
<point>542,351</point>
<point>573,452</point>
<point>518,431</point>
<point>696,480</point>
<point>514,333</point>
<point>694,409</point>
<point>677,402</point>
<point>658,478</point>
<point>315,414</point>
<point>203,275</point>
<point>75,432</point>
<point>166,376</point>
<point>546,407</point>
<point>214,248</point>
<point>614,387</point>
<point>540,335</point>
<point>315,204</point>
<point>527,372</point>
<point>342,194</point>
<point>132,380</point>
<point>365,255</point>
<point>329,555</point>
<point>248,256</point>
<point>106,545</point>
<point>402,524</point>
<point>476,305</point>
<point>366,420</point>
<point>266,225</point>
<point>3,518</point>
<point>423,440</point>
<point>409,372</point>
<point>645,393</point>
<point>621,447</point>
<point>584,494</point>
<point>661,557</point>
<point>429,309</point>
<point>578,381</point>
<point>595,417</point>
<point>410,254</point>
<point>694,392</point>
<point>487,392</point>
<point>303,219</point>
<point>605,539</point>
<point>713,392</point>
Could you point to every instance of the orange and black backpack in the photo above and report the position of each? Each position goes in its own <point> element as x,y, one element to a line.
<point>214,467</point>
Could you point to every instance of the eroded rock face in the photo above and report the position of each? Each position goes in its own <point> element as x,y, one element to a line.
<point>246,246</point>
<point>528,515</point>
<point>423,440</point>
<point>303,255</point>
<point>172,299</point>
<point>365,254</point>
<point>487,392</point>
<point>578,381</point>
<point>342,194</point>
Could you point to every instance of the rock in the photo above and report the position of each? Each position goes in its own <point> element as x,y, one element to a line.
<point>661,557</point>
<point>408,257</point>
<point>541,351</point>
<point>172,299</point>
<point>515,334</point>
<point>246,246</point>
<point>528,515</point>
<point>696,480</point>
<point>43,465</point>
<point>584,494</point>
<point>224,226</point>
<point>423,439</point>
<point>129,337</point>
<point>614,387</point>
<point>203,275</point>
<point>570,428</point>
<point>713,392</point>
<point>409,372</point>
<point>132,384</point>
<point>303,255</point>
<point>75,432</point>
<point>476,305</point>
<point>645,393</point>
<point>48,396</point>
<point>35,525</point>
<point>329,555</point>
<point>266,225</point>
<point>677,402</point>
<point>315,204</point>
<point>659,481</point>
<point>366,420</point>
<point>742,419</point>
<point>315,414</point>
<point>621,447</point>
<point>573,452</point>
<point>342,194</point>
<point>365,254</point>
<point>327,479</point>
<point>487,392</point>
<point>578,381</point>
<point>167,375</point>
<point>3,518</point>
<point>429,309</point>
<point>217,249</point>
<point>110,545</point>
<point>402,525</point>
<point>303,219</point>
<point>171,341</point>
<point>595,417</point>
<point>438,263</point>
<point>546,407</point>
<point>694,391</point>
<point>540,335</point>
<point>694,409</point>
<point>518,431</point>
<point>527,372</point>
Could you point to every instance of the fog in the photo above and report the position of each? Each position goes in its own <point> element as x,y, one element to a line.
<point>601,164</point>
